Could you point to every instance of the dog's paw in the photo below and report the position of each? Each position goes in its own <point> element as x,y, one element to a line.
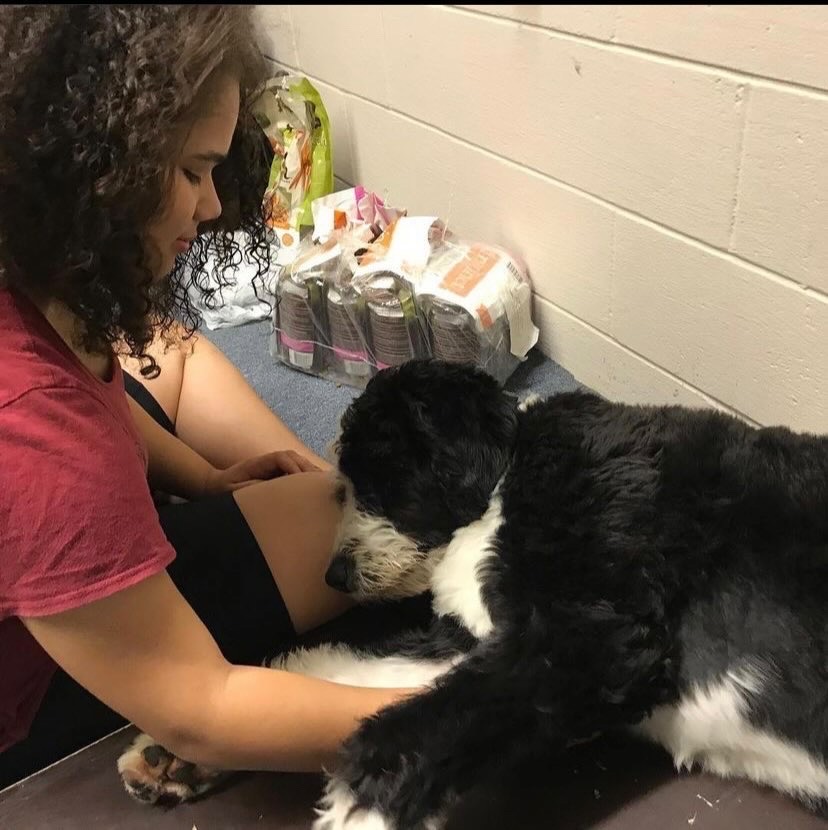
<point>152,775</point>
<point>338,810</point>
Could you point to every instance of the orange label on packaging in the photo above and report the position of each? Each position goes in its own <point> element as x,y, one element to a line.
<point>379,247</point>
<point>484,317</point>
<point>470,270</point>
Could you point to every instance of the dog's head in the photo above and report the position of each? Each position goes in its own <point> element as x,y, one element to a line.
<point>419,454</point>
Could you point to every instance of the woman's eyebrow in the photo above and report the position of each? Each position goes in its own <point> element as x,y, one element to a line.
<point>214,158</point>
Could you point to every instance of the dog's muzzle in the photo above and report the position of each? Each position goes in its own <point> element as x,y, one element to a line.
<point>341,573</point>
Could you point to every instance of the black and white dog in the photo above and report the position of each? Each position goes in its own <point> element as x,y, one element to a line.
<point>594,566</point>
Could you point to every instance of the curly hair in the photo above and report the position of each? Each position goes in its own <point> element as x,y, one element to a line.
<point>94,100</point>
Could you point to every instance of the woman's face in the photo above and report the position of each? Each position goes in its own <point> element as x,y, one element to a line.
<point>192,198</point>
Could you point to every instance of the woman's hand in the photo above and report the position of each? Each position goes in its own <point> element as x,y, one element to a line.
<point>260,468</point>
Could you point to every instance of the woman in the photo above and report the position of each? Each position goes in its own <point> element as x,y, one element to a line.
<point>121,129</point>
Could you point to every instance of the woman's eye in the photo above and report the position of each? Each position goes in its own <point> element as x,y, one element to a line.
<point>192,178</point>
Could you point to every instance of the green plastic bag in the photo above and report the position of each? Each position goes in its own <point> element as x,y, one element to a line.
<point>294,118</point>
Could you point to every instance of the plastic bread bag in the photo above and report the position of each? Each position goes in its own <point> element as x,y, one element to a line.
<point>347,309</point>
<point>477,304</point>
<point>350,358</point>
<point>394,324</point>
<point>300,336</point>
<point>320,319</point>
<point>388,273</point>
<point>295,121</point>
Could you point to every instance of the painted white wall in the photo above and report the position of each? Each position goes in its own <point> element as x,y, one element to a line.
<point>663,170</point>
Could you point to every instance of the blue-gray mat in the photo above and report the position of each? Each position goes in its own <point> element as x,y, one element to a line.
<point>311,406</point>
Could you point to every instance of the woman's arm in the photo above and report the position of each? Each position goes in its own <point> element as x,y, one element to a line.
<point>181,471</point>
<point>144,652</point>
<point>214,408</point>
<point>173,466</point>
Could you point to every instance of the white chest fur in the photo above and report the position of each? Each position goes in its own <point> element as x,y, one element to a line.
<point>457,580</point>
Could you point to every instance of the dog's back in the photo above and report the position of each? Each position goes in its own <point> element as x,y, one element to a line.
<point>712,533</point>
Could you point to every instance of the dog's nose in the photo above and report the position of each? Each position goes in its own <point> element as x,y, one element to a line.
<point>340,574</point>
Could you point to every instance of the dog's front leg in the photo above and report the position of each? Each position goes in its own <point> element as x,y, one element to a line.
<point>509,699</point>
<point>403,768</point>
<point>444,639</point>
<point>410,659</point>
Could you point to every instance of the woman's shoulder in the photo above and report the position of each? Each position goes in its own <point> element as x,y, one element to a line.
<point>33,355</point>
<point>38,364</point>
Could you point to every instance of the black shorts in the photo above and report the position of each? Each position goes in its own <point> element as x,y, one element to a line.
<point>220,571</point>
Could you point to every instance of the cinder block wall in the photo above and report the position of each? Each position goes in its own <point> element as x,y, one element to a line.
<point>663,170</point>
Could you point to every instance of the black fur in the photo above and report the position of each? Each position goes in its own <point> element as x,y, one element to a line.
<point>445,637</point>
<point>642,550</point>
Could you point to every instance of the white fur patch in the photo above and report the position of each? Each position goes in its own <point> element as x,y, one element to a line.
<point>389,563</point>
<point>136,748</point>
<point>340,664</point>
<point>337,812</point>
<point>708,727</point>
<point>529,400</point>
<point>457,581</point>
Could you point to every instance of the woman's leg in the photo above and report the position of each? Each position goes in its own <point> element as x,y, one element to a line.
<point>295,520</point>
<point>252,563</point>
<point>213,407</point>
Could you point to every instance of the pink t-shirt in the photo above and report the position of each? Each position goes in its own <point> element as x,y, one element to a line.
<point>76,514</point>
